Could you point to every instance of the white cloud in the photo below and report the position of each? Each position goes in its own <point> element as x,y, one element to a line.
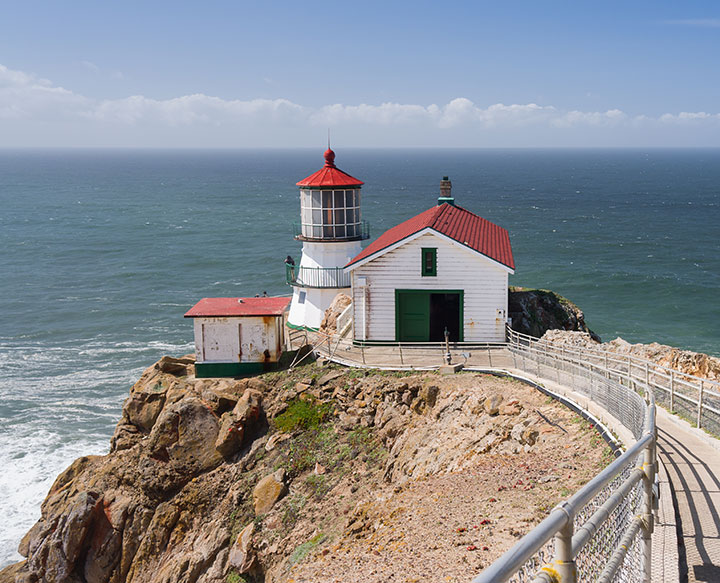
<point>26,96</point>
<point>689,116</point>
<point>34,111</point>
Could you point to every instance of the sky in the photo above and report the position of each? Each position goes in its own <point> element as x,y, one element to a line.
<point>83,73</point>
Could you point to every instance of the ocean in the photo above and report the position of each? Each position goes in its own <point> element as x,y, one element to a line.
<point>104,250</point>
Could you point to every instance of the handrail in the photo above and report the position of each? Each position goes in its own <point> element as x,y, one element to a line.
<point>692,397</point>
<point>619,357</point>
<point>344,320</point>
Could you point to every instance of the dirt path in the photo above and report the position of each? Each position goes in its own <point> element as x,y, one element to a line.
<point>447,526</point>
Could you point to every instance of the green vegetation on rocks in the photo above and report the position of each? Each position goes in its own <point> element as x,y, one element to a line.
<point>302,414</point>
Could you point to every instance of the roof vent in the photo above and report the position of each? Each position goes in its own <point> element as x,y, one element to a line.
<point>446,192</point>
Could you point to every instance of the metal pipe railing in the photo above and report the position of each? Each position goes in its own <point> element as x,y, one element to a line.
<point>692,397</point>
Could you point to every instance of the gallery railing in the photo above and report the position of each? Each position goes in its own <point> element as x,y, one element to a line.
<point>321,277</point>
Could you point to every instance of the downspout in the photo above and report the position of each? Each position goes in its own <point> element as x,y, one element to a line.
<point>362,284</point>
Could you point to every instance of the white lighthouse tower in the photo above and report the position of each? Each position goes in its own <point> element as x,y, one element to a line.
<point>331,230</point>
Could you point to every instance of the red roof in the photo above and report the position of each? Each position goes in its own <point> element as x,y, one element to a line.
<point>329,175</point>
<point>452,221</point>
<point>222,307</point>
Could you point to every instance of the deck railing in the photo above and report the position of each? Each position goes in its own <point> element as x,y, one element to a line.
<point>321,277</point>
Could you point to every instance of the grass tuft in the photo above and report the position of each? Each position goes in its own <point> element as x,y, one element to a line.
<point>302,414</point>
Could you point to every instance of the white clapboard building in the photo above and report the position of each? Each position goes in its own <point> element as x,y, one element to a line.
<point>238,336</point>
<point>446,268</point>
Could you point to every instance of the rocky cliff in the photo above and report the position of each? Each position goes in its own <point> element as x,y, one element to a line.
<point>535,311</point>
<point>319,474</point>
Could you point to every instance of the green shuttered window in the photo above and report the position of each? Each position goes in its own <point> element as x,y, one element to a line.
<point>429,261</point>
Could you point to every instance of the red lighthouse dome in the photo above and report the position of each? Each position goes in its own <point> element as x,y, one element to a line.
<point>329,176</point>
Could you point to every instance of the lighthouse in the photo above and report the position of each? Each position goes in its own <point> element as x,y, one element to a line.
<point>331,229</point>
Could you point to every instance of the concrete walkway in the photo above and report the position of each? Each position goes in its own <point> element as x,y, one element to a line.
<point>692,460</point>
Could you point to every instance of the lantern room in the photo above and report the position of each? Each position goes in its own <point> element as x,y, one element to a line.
<point>330,205</point>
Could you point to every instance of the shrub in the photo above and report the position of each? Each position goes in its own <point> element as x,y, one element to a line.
<point>302,414</point>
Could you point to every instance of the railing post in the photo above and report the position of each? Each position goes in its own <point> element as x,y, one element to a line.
<point>647,516</point>
<point>401,354</point>
<point>607,368</point>
<point>672,391</point>
<point>362,352</point>
<point>564,564</point>
<point>629,372</point>
<point>489,356</point>
<point>700,405</point>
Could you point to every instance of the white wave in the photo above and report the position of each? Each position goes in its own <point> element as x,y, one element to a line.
<point>31,458</point>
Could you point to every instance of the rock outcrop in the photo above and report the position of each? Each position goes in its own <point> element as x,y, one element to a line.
<point>535,311</point>
<point>338,305</point>
<point>693,363</point>
<point>208,480</point>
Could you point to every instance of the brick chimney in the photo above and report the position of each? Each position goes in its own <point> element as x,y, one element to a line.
<point>446,192</point>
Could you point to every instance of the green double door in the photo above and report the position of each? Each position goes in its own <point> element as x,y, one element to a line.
<point>423,315</point>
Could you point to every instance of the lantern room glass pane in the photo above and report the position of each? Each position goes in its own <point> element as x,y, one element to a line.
<point>339,196</point>
<point>327,199</point>
<point>317,232</point>
<point>339,231</point>
<point>350,215</point>
<point>306,215</point>
<point>316,199</point>
<point>339,217</point>
<point>317,216</point>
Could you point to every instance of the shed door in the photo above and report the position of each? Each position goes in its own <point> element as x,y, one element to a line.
<point>221,342</point>
<point>413,317</point>
<point>423,315</point>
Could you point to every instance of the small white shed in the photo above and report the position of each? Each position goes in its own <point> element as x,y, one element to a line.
<point>237,336</point>
<point>444,268</point>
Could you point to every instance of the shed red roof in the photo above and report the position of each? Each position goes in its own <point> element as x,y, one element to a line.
<point>329,175</point>
<point>452,221</point>
<point>222,307</point>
